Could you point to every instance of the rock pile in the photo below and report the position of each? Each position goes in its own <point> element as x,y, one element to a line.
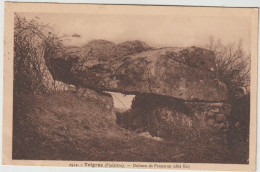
<point>176,88</point>
<point>213,114</point>
<point>174,118</point>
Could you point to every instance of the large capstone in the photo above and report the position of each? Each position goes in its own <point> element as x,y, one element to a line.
<point>133,67</point>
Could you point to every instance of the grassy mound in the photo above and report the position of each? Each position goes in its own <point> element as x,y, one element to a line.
<point>61,126</point>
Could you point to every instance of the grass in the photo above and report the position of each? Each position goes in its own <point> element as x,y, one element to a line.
<point>60,126</point>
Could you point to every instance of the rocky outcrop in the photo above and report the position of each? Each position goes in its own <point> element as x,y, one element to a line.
<point>131,47</point>
<point>205,120</point>
<point>176,119</point>
<point>134,67</point>
<point>211,114</point>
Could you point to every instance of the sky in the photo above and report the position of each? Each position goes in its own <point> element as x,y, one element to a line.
<point>121,101</point>
<point>156,30</point>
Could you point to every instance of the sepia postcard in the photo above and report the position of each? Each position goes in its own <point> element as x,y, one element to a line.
<point>130,86</point>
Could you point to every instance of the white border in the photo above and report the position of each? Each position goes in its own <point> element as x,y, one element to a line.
<point>226,3</point>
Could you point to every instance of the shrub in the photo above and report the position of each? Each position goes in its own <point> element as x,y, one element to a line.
<point>233,68</point>
<point>233,65</point>
<point>33,41</point>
